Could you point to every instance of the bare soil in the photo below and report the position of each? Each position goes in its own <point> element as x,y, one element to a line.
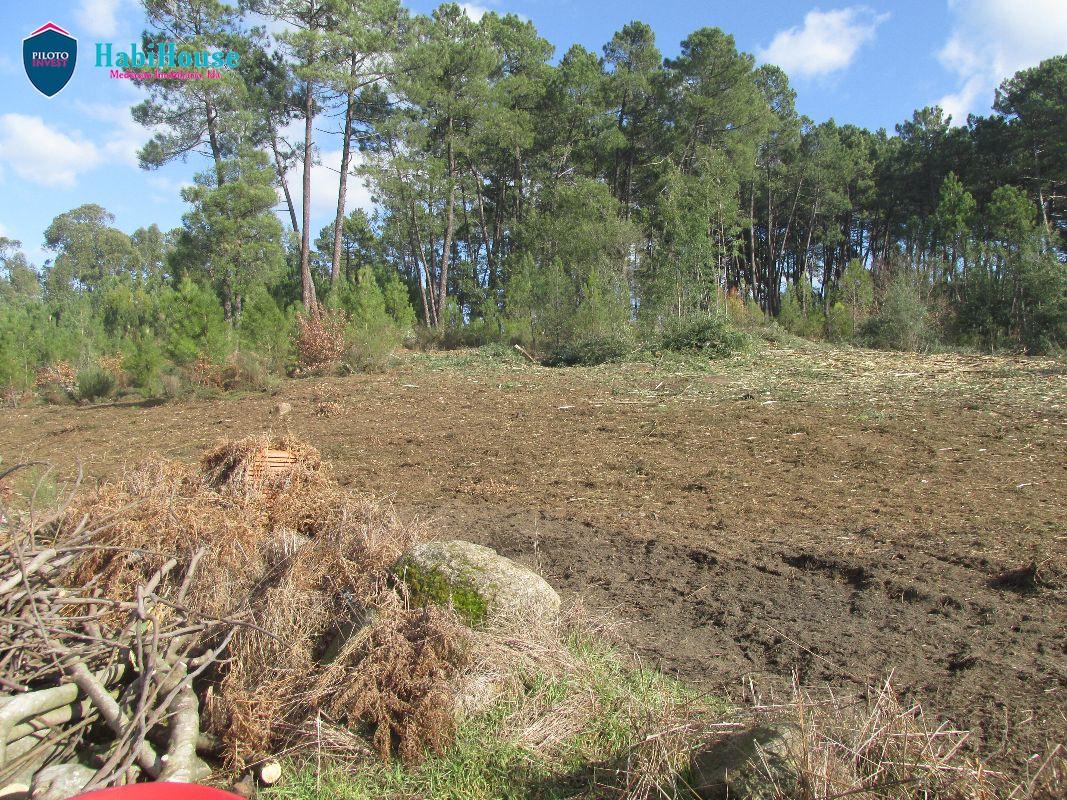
<point>833,515</point>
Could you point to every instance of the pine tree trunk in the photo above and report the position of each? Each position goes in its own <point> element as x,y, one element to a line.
<point>213,139</point>
<point>450,223</point>
<point>342,189</point>
<point>284,182</point>
<point>307,284</point>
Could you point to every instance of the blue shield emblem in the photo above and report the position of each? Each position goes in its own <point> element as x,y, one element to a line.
<point>49,55</point>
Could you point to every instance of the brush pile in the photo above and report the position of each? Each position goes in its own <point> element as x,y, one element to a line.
<point>223,614</point>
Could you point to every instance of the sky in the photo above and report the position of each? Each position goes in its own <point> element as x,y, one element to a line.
<point>866,63</point>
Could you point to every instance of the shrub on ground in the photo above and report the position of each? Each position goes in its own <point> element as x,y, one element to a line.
<point>144,363</point>
<point>801,311</point>
<point>320,338</point>
<point>903,321</point>
<point>95,383</point>
<point>249,371</point>
<point>265,329</point>
<point>591,349</point>
<point>370,350</point>
<point>372,334</point>
<point>711,335</point>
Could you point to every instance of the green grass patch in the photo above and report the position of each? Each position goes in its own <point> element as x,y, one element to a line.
<point>564,736</point>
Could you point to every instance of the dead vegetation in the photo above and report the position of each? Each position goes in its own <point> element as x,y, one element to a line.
<point>211,596</point>
<point>871,746</point>
<point>214,618</point>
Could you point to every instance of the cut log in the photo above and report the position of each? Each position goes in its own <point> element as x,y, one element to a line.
<point>270,772</point>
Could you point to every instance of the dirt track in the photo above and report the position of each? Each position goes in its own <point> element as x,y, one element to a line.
<point>833,514</point>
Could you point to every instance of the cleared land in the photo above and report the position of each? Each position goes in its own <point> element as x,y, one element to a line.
<point>835,514</point>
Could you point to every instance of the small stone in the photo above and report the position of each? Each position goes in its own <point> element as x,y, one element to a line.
<point>283,409</point>
<point>245,787</point>
<point>60,781</point>
<point>757,764</point>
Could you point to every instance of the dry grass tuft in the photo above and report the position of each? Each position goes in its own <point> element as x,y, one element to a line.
<point>655,765</point>
<point>395,677</point>
<point>880,747</point>
<point>871,748</point>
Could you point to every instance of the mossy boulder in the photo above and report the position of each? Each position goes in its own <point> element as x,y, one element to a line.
<point>478,582</point>
<point>755,764</point>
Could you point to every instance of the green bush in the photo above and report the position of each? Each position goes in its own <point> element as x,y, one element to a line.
<point>711,335</point>
<point>14,376</point>
<point>144,364</point>
<point>370,350</point>
<point>840,323</point>
<point>424,339</point>
<point>903,322</point>
<point>398,303</point>
<point>247,370</point>
<point>592,349</point>
<point>95,383</point>
<point>191,322</point>
<point>798,320</point>
<point>264,329</point>
<point>372,334</point>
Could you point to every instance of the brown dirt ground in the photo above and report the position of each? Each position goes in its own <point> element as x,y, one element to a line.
<point>835,514</point>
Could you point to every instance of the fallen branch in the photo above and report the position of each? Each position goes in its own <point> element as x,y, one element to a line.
<point>181,763</point>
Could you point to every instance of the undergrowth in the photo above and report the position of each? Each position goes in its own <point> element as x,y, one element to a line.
<point>568,735</point>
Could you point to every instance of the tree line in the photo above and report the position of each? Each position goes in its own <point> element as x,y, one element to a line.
<point>551,202</point>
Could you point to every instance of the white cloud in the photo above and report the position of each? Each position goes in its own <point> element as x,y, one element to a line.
<point>99,17</point>
<point>474,11</point>
<point>125,137</point>
<point>993,39</point>
<point>37,152</point>
<point>827,42</point>
<point>167,189</point>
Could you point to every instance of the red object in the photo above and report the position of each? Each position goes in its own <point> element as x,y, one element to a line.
<point>160,791</point>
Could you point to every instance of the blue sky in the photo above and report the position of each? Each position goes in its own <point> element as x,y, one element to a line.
<point>869,63</point>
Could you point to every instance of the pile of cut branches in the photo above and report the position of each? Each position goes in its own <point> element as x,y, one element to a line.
<point>187,619</point>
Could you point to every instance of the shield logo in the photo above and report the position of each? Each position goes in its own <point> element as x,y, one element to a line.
<point>49,55</point>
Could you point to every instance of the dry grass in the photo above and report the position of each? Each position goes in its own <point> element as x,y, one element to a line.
<point>874,748</point>
<point>320,339</point>
<point>302,565</point>
<point>883,748</point>
<point>395,677</point>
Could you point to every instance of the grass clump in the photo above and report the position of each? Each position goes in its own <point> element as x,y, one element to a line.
<point>574,729</point>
